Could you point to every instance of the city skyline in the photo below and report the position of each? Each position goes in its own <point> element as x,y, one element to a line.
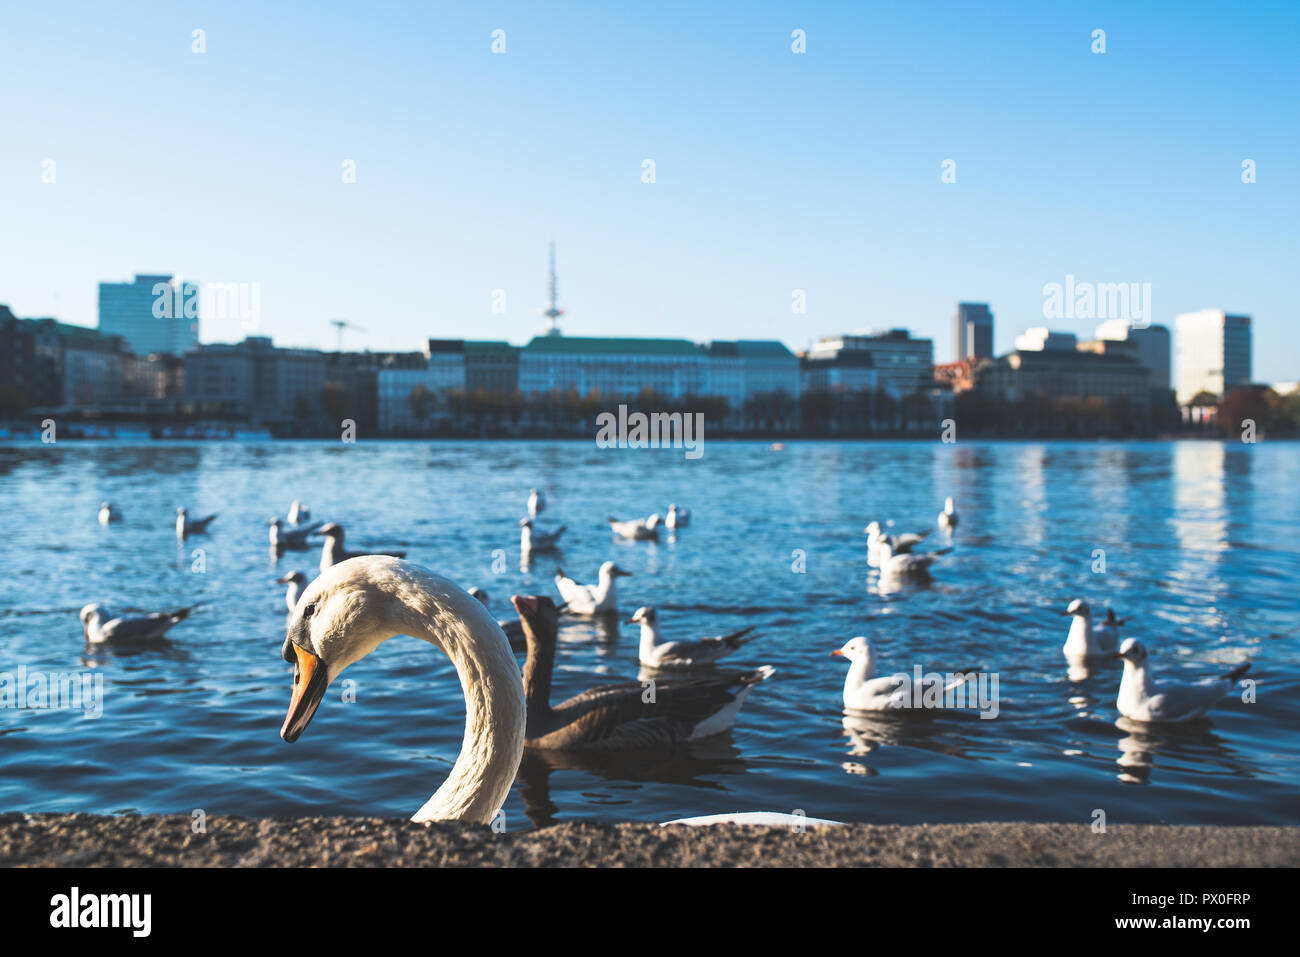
<point>776,172</point>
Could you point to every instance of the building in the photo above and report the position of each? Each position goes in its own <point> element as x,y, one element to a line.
<point>1042,339</point>
<point>491,367</point>
<point>972,331</point>
<point>151,314</point>
<point>1054,374</point>
<point>614,368</point>
<point>902,365</point>
<point>1153,347</point>
<point>256,381</point>
<point>844,371</point>
<point>1214,353</point>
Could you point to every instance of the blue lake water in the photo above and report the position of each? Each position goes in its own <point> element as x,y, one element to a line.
<point>1199,542</point>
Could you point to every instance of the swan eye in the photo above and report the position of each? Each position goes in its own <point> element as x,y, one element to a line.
<point>308,611</point>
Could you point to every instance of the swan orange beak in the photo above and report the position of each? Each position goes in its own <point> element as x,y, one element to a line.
<point>310,679</point>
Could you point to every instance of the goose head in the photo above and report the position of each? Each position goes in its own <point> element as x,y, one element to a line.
<point>643,615</point>
<point>856,650</point>
<point>480,594</point>
<point>539,617</point>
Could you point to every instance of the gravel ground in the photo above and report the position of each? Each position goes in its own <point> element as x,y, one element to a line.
<point>80,840</point>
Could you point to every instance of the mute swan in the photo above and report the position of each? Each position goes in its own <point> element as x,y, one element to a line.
<point>284,536</point>
<point>333,552</point>
<point>358,604</point>
<point>637,529</point>
<point>657,653</point>
<point>677,517</point>
<point>534,539</point>
<point>1142,698</point>
<point>101,626</point>
<point>948,517</point>
<point>108,512</point>
<point>598,599</point>
<point>621,717</point>
<point>536,502</point>
<point>1086,639</point>
<point>190,526</point>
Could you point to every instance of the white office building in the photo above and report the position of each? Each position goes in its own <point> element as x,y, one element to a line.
<point>902,365</point>
<point>1214,353</point>
<point>1152,343</point>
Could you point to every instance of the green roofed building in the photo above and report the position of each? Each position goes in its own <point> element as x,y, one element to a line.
<point>618,368</point>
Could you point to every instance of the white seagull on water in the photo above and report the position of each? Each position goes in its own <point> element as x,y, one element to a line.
<point>865,692</point>
<point>1087,640</point>
<point>677,517</point>
<point>285,536</point>
<point>102,626</point>
<point>299,513</point>
<point>907,564</point>
<point>657,653</point>
<point>637,529</point>
<point>901,544</point>
<point>598,599</point>
<point>108,512</point>
<point>534,539</point>
<point>296,581</point>
<point>1142,698</point>
<point>948,517</point>
<point>190,526</point>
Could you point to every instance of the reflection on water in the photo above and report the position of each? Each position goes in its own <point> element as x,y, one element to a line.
<point>1199,548</point>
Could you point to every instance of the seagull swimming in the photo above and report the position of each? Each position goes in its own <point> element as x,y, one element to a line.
<point>299,513</point>
<point>908,564</point>
<point>657,653</point>
<point>948,517</point>
<point>534,539</point>
<point>901,544</point>
<point>865,692</point>
<point>285,536</point>
<point>333,551</point>
<point>102,626</point>
<point>108,512</point>
<point>677,517</point>
<point>536,502</point>
<point>637,529</point>
<point>598,599</point>
<point>296,581</point>
<point>190,526</point>
<point>1142,698</point>
<point>1086,639</point>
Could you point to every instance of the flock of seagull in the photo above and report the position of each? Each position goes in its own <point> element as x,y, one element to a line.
<point>362,598</point>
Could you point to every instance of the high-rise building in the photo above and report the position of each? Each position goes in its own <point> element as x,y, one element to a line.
<point>1152,343</point>
<point>1042,339</point>
<point>151,314</point>
<point>903,365</point>
<point>1213,353</point>
<point>972,331</point>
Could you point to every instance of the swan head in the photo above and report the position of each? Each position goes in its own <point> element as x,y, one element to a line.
<point>540,618</point>
<point>1079,608</point>
<point>346,613</point>
<point>1133,652</point>
<point>643,615</point>
<point>855,650</point>
<point>609,571</point>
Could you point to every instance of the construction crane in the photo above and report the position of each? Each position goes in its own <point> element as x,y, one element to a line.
<point>340,325</point>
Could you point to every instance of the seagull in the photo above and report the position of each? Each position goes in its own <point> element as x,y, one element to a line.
<point>901,544</point>
<point>102,626</point>
<point>108,512</point>
<point>296,581</point>
<point>948,517</point>
<point>637,529</point>
<point>908,564</point>
<point>333,551</point>
<point>864,692</point>
<point>657,653</point>
<point>284,536</point>
<point>190,526</point>
<point>533,539</point>
<point>512,627</point>
<point>598,599</point>
<point>1086,639</point>
<point>677,517</point>
<point>536,502</point>
<point>299,513</point>
<point>1142,698</point>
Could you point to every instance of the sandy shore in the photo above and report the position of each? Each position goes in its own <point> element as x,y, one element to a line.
<point>80,840</point>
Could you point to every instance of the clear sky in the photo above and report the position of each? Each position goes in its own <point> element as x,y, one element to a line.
<point>774,171</point>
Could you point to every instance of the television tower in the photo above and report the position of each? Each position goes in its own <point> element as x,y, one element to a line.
<point>554,312</point>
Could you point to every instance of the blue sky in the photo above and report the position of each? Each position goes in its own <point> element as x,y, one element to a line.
<point>774,171</point>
